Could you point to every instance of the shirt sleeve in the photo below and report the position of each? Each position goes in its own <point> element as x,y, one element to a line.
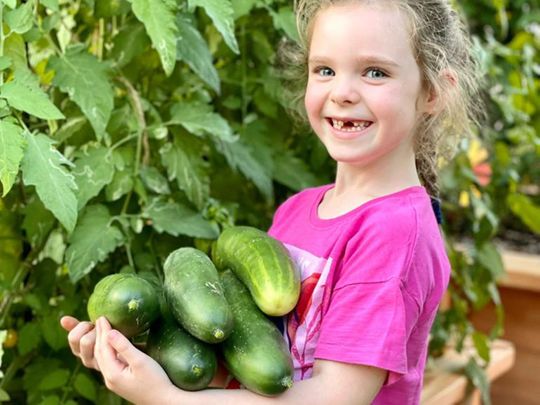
<point>369,324</point>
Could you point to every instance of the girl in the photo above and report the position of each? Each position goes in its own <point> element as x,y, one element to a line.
<point>389,83</point>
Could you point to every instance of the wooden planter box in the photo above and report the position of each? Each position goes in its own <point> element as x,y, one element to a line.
<point>445,385</point>
<point>520,295</point>
<point>516,360</point>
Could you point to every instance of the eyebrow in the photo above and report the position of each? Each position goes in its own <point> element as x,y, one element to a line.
<point>367,60</point>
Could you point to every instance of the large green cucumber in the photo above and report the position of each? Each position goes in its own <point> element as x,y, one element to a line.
<point>255,353</point>
<point>190,363</point>
<point>195,295</point>
<point>264,266</point>
<point>129,302</point>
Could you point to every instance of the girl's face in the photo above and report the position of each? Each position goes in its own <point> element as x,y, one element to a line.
<point>364,93</point>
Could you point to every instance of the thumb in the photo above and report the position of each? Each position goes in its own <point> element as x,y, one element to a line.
<point>125,349</point>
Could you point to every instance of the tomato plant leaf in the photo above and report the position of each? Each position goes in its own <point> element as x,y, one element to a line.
<point>221,13</point>
<point>192,49</point>
<point>158,17</point>
<point>240,158</point>
<point>21,19</point>
<point>44,167</point>
<point>200,119</point>
<point>85,80</point>
<point>184,163</point>
<point>93,170</point>
<point>154,180</point>
<point>12,145</point>
<point>177,219</point>
<point>292,171</point>
<point>92,241</point>
<point>24,94</point>
<point>525,209</point>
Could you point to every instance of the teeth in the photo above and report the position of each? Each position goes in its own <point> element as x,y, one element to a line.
<point>338,124</point>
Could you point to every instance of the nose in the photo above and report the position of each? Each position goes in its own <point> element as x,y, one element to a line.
<point>344,91</point>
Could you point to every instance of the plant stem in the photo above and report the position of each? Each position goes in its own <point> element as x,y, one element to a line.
<point>1,40</point>
<point>142,143</point>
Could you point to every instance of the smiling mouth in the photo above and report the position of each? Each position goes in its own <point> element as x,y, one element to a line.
<point>348,125</point>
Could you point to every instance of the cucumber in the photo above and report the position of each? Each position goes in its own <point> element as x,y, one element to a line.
<point>195,295</point>
<point>263,264</point>
<point>255,353</point>
<point>190,363</point>
<point>129,302</point>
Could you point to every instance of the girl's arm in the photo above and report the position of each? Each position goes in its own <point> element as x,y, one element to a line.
<point>135,376</point>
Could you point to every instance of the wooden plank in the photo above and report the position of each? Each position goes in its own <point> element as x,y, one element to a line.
<point>445,385</point>
<point>522,271</point>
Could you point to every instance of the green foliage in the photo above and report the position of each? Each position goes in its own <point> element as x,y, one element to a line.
<point>131,128</point>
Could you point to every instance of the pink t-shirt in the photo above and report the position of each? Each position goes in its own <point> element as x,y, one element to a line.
<point>372,280</point>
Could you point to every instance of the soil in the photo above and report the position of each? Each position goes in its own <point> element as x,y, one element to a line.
<point>520,241</point>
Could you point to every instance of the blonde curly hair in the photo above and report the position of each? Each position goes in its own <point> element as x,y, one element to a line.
<point>443,50</point>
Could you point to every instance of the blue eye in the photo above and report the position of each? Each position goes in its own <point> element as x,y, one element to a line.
<point>374,73</point>
<point>324,71</point>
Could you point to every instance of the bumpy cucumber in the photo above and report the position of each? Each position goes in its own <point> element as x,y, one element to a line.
<point>190,363</point>
<point>195,295</point>
<point>255,353</point>
<point>264,266</point>
<point>129,302</point>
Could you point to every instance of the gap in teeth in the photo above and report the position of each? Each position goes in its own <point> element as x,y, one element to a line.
<point>338,124</point>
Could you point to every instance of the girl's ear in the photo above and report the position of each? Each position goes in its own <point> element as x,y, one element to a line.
<point>434,102</point>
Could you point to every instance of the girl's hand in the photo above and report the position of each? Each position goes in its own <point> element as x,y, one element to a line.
<point>82,339</point>
<point>126,370</point>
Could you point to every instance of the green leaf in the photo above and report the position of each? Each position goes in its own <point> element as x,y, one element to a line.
<point>159,20</point>
<point>292,172</point>
<point>240,158</point>
<point>4,396</point>
<point>481,343</point>
<point>15,49</point>
<point>5,62</point>
<point>12,145</point>
<point>21,19</point>
<point>38,222</point>
<point>242,7</point>
<point>29,338</point>
<point>285,20</point>
<point>24,93</point>
<point>154,180</point>
<point>192,49</point>
<point>50,4</point>
<point>85,386</point>
<point>93,170</point>
<point>199,119</point>
<point>85,79</point>
<point>92,241</point>
<point>10,3</point>
<point>490,258</point>
<point>130,42</point>
<point>183,160</point>
<point>54,334</point>
<point>222,14</point>
<point>55,379</point>
<point>525,209</point>
<point>43,167</point>
<point>177,219</point>
<point>121,184</point>
<point>477,375</point>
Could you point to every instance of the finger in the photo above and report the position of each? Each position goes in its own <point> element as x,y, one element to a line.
<point>87,347</point>
<point>106,356</point>
<point>125,349</point>
<point>68,322</point>
<point>76,334</point>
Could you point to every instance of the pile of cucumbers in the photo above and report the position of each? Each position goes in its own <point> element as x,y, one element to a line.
<point>215,308</point>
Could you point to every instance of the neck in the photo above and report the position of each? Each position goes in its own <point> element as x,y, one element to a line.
<point>378,178</point>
